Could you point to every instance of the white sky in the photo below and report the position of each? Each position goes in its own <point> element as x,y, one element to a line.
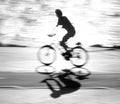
<point>35,22</point>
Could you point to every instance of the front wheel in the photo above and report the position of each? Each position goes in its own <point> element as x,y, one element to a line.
<point>46,55</point>
<point>79,56</point>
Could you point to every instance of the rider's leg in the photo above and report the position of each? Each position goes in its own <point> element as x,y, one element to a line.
<point>63,44</point>
<point>70,34</point>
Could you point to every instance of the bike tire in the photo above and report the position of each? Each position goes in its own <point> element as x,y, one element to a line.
<point>80,72</point>
<point>47,70</point>
<point>46,55</point>
<point>79,56</point>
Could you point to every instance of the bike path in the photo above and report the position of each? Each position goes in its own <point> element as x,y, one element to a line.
<point>35,80</point>
<point>46,96</point>
<point>32,88</point>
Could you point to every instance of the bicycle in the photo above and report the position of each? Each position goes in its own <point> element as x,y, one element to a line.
<point>78,56</point>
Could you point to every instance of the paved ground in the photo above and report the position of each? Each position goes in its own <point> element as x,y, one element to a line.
<point>45,96</point>
<point>34,80</point>
<point>32,88</point>
<point>25,60</point>
<point>17,69</point>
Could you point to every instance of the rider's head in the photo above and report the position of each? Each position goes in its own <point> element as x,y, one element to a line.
<point>58,13</point>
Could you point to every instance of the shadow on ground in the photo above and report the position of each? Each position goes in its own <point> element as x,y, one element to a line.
<point>65,84</point>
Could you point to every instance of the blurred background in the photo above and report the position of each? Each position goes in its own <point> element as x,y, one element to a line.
<point>27,22</point>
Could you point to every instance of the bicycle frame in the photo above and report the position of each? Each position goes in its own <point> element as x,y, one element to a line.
<point>76,55</point>
<point>47,55</point>
<point>58,47</point>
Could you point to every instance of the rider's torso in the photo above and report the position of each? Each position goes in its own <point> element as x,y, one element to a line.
<point>65,23</point>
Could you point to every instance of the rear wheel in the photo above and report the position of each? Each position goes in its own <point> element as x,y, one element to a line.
<point>79,56</point>
<point>81,72</point>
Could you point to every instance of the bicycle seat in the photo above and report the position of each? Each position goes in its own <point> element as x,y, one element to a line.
<point>78,43</point>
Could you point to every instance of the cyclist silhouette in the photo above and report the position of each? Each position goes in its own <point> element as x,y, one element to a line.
<point>66,24</point>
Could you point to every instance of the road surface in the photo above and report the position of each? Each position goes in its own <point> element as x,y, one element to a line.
<point>20,84</point>
<point>17,68</point>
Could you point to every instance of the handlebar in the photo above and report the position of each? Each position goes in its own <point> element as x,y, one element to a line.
<point>51,35</point>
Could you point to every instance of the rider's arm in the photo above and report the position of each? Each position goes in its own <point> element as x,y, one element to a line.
<point>57,25</point>
<point>59,22</point>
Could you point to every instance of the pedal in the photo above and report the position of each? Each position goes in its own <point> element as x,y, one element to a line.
<point>67,55</point>
<point>67,58</point>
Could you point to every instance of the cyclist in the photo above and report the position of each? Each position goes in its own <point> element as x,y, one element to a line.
<point>66,24</point>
